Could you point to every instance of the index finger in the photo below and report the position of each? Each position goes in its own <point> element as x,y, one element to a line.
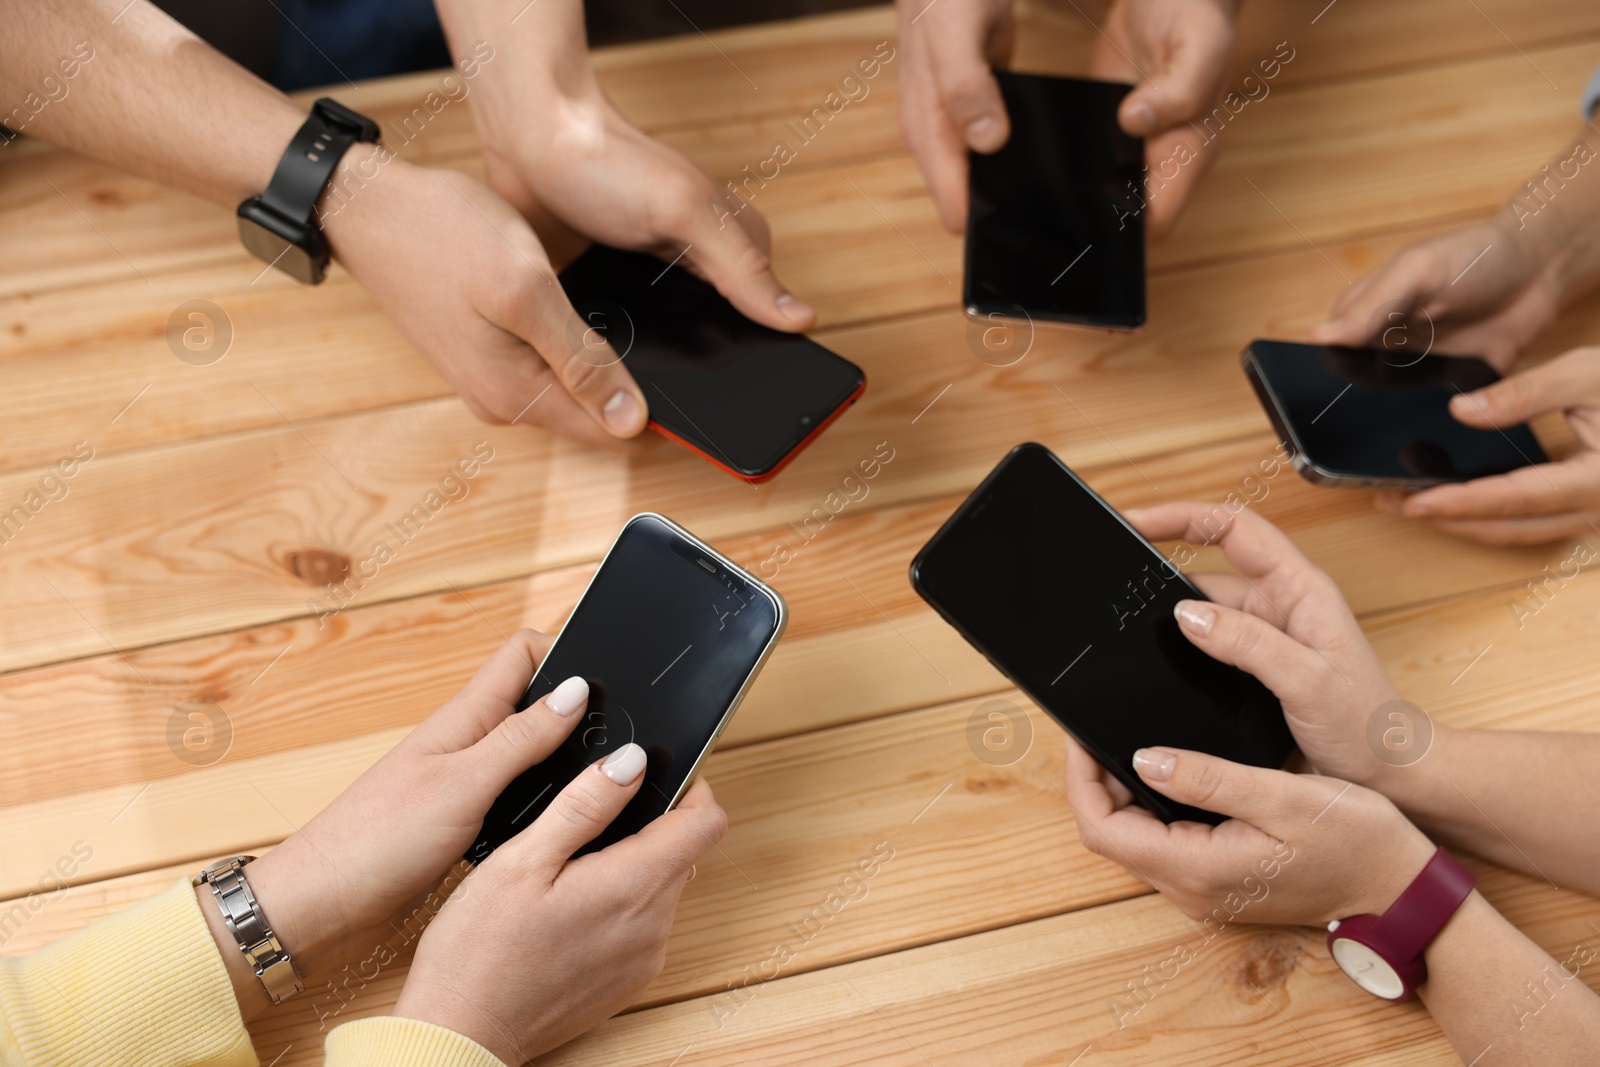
<point>1255,547</point>
<point>1545,489</point>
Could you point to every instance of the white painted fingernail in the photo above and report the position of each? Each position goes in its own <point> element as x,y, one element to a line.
<point>1195,615</point>
<point>568,697</point>
<point>624,765</point>
<point>1155,764</point>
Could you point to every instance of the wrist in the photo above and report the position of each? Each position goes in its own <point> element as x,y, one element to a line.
<point>356,195</point>
<point>283,901</point>
<point>1404,856</point>
<point>1412,783</point>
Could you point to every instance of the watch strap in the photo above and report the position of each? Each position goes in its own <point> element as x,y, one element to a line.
<point>1417,916</point>
<point>245,920</point>
<point>311,157</point>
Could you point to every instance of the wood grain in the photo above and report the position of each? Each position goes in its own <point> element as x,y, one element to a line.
<point>182,566</point>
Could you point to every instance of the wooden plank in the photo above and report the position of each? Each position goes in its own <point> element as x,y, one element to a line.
<point>804,809</point>
<point>1035,991</point>
<point>388,664</point>
<point>1399,171</point>
<point>1044,992</point>
<point>162,544</point>
<point>877,664</point>
<point>296,346</point>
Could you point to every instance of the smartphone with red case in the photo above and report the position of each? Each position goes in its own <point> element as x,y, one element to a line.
<point>743,395</point>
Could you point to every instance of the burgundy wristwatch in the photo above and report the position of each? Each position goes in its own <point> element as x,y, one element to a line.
<point>1383,953</point>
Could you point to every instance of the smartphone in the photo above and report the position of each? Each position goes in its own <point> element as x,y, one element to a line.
<point>1055,219</point>
<point>1371,418</point>
<point>669,635</point>
<point>1069,602</point>
<point>744,396</point>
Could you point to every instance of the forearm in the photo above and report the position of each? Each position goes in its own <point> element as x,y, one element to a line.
<point>154,99</point>
<point>1501,999</point>
<point>144,983</point>
<point>1524,799</point>
<point>542,54</point>
<point>1555,215</point>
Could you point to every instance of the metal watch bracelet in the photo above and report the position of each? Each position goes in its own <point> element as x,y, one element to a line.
<point>243,917</point>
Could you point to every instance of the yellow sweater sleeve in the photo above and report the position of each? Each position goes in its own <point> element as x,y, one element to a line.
<point>142,988</point>
<point>390,1042</point>
<point>146,988</point>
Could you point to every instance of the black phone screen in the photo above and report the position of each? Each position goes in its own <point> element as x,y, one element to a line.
<point>1072,605</point>
<point>742,394</point>
<point>1055,223</point>
<point>666,635</point>
<point>1383,416</point>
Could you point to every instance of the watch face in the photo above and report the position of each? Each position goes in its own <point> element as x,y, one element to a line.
<point>275,249</point>
<point>1367,969</point>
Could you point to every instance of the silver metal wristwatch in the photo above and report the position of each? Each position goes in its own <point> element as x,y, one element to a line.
<point>248,925</point>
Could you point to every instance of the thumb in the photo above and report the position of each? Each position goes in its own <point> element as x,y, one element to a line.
<point>1256,795</point>
<point>967,87</point>
<point>1248,642</point>
<point>1180,92</point>
<point>1568,379</point>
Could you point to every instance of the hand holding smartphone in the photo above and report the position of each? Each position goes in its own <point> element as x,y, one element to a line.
<point>669,635</point>
<point>742,395</point>
<point>1371,418</point>
<point>1076,608</point>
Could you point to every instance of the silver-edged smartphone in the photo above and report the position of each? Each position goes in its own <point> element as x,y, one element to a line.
<point>1374,419</point>
<point>669,634</point>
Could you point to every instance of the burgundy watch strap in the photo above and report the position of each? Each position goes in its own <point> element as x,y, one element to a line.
<point>1416,918</point>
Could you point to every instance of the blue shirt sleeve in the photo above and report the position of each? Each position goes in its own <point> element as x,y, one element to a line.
<point>1591,94</point>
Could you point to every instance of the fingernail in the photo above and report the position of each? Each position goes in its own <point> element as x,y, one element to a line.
<point>568,697</point>
<point>624,765</point>
<point>1322,331</point>
<point>980,132</point>
<point>1141,116</point>
<point>1154,764</point>
<point>1195,615</point>
<point>1416,508</point>
<point>793,308</point>
<point>622,412</point>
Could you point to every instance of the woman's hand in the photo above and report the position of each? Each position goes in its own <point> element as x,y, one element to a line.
<point>1480,291</point>
<point>1296,849</point>
<point>532,949</point>
<point>464,278</point>
<point>397,830</point>
<point>1533,504</point>
<point>1282,619</point>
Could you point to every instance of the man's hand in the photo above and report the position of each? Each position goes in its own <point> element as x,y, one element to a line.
<point>554,146</point>
<point>464,277</point>
<point>1176,52</point>
<point>949,100</point>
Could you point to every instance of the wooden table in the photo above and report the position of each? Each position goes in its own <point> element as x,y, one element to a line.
<point>175,573</point>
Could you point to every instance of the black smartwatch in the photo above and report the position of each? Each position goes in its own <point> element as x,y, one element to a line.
<point>280,226</point>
